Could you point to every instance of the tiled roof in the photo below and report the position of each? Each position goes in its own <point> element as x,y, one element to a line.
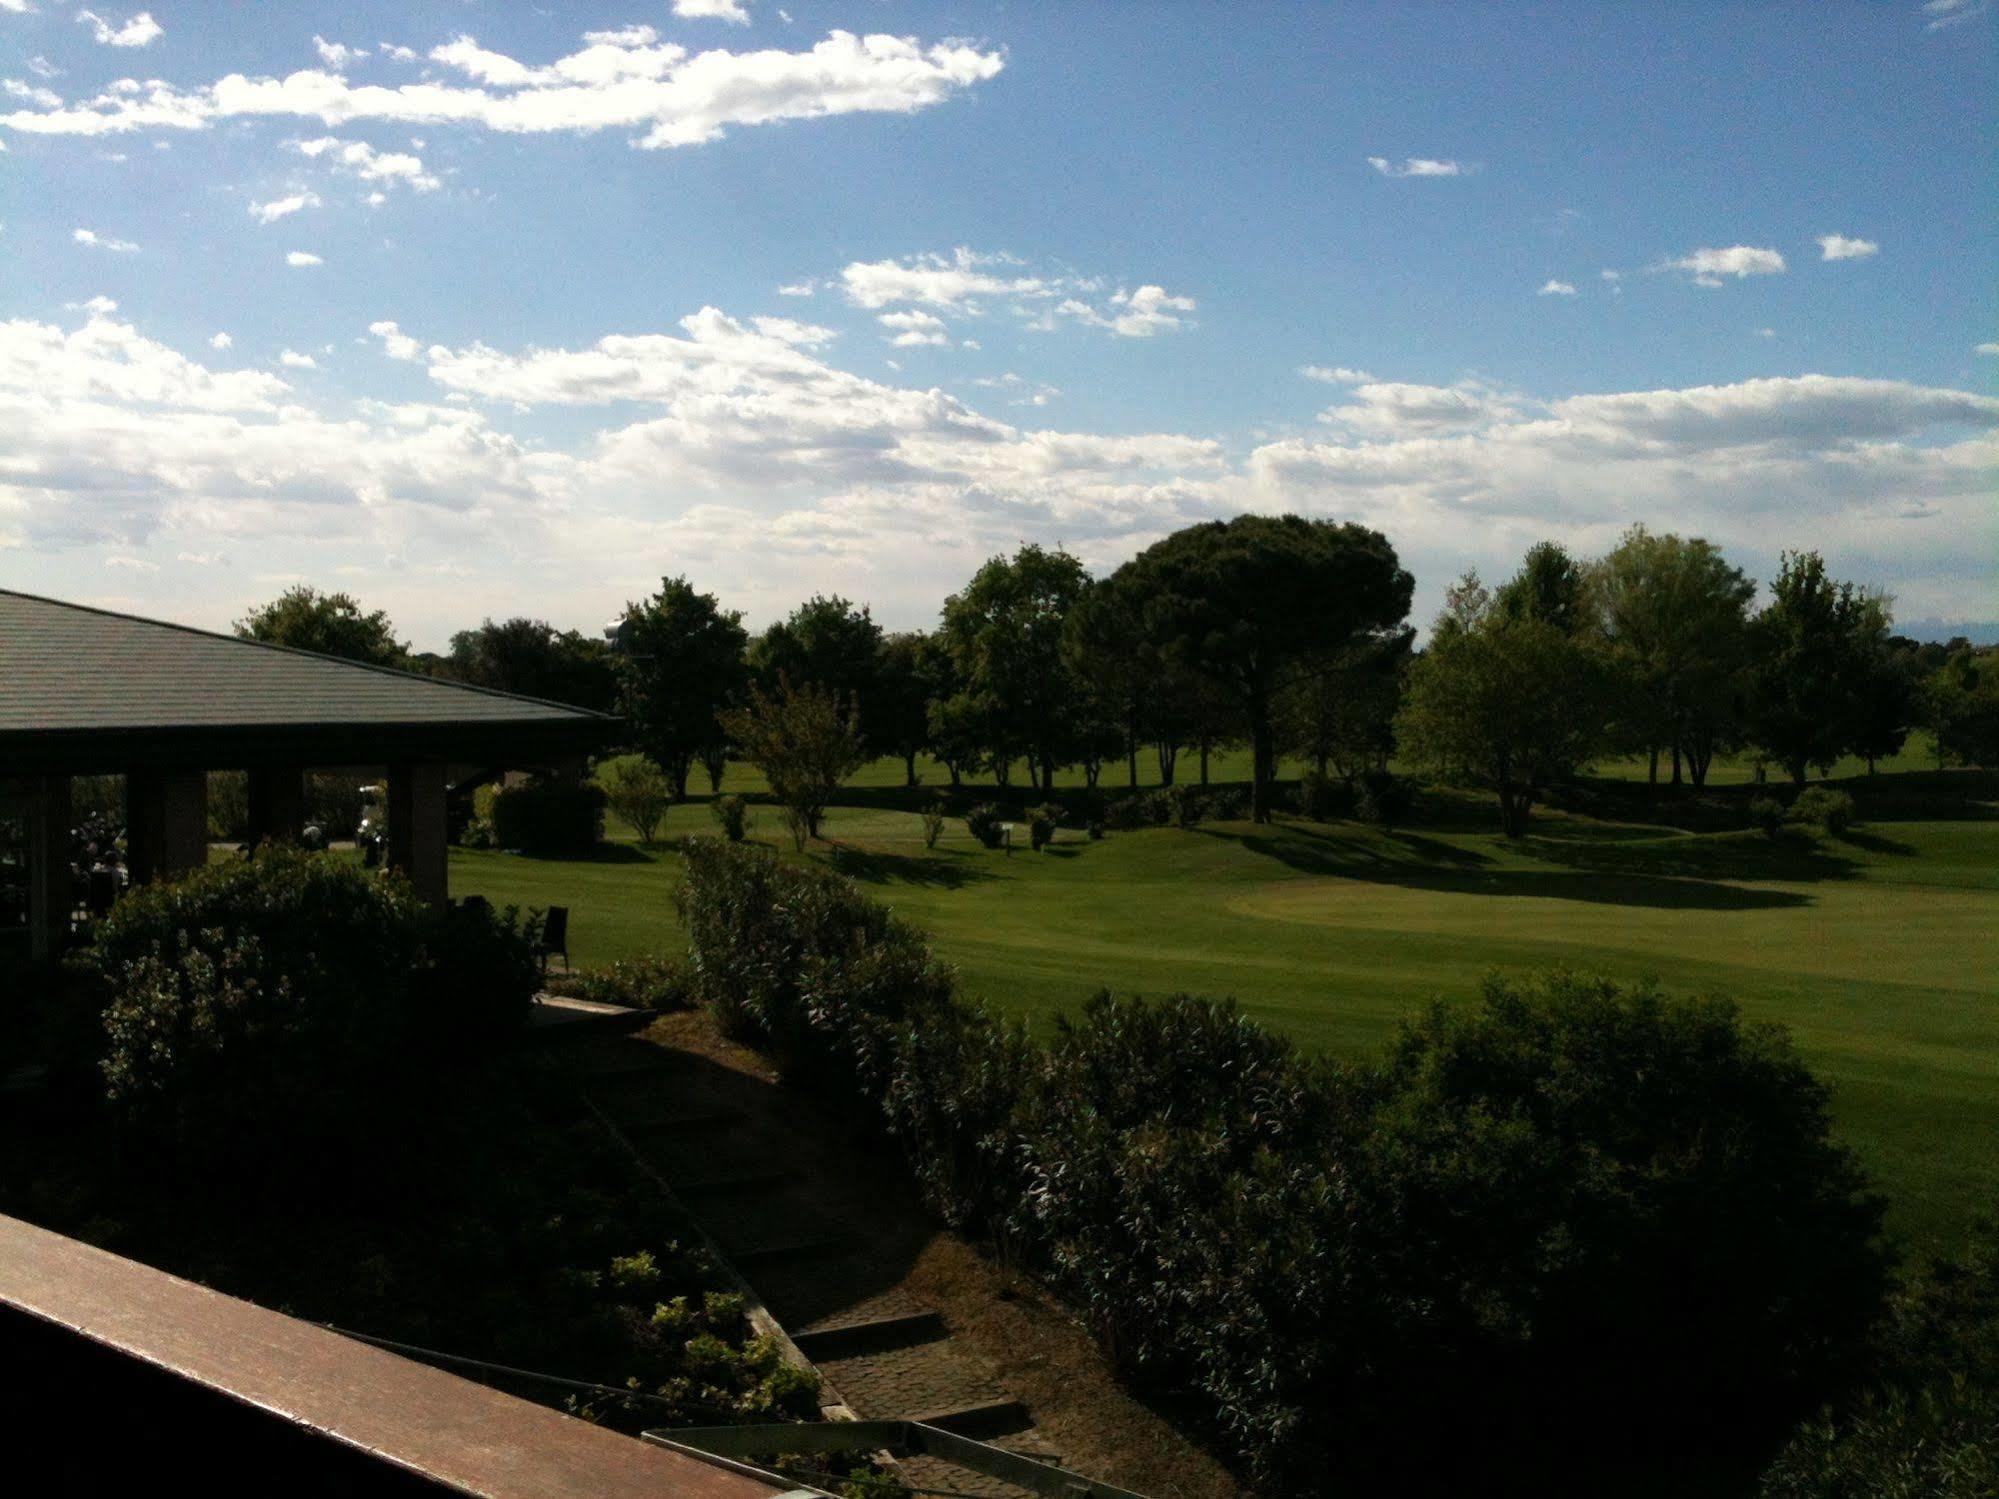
<point>65,667</point>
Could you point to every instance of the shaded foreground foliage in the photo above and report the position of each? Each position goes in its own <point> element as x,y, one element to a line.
<point>1583,1220</point>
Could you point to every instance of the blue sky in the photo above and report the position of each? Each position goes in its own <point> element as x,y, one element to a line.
<point>850,296</point>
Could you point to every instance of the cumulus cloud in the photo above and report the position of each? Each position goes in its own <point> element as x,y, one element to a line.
<point>914,328</point>
<point>659,90</point>
<point>712,10</point>
<point>1334,374</point>
<point>337,55</point>
<point>299,259</point>
<point>1137,314</point>
<point>1839,247</point>
<point>964,281</point>
<point>15,88</point>
<point>296,361</point>
<point>1553,288</point>
<point>1417,166</point>
<point>278,208</point>
<point>220,341</point>
<point>360,160</point>
<point>1707,267</point>
<point>395,343</point>
<point>1391,409</point>
<point>140,31</point>
<point>96,241</point>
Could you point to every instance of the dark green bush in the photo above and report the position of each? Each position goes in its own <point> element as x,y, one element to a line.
<point>1322,798</point>
<point>1824,807</point>
<point>1382,799</point>
<point>1042,821</point>
<point>1185,805</point>
<point>732,815</point>
<point>1227,804</point>
<point>983,822</point>
<point>649,982</point>
<point>1767,813</point>
<point>548,817</point>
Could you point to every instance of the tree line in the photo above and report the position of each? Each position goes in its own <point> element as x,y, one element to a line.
<point>1281,634</point>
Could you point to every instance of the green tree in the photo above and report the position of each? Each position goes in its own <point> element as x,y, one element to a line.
<point>805,741</point>
<point>532,657</point>
<point>1246,603</point>
<point>680,663</point>
<point>1676,616</point>
<point>1887,692</point>
<point>638,791</point>
<point>1342,714</point>
<point>825,642</point>
<point>902,699</point>
<point>331,624</point>
<point>1807,651</point>
<point>1961,706</point>
<point>1005,633</point>
<point>1549,587</point>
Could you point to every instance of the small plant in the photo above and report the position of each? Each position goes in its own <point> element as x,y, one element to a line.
<point>933,821</point>
<point>1186,805</point>
<point>983,822</point>
<point>638,791</point>
<point>1824,807</point>
<point>478,833</point>
<point>1096,828</point>
<point>1042,822</point>
<point>732,815</point>
<point>1228,805</point>
<point>648,982</point>
<point>1767,813</point>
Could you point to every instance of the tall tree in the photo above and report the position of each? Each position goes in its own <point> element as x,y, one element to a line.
<point>1676,616</point>
<point>1342,714</point>
<point>1886,697</point>
<point>829,642</point>
<point>532,657</point>
<point>333,624</point>
<point>1549,587</point>
<point>1005,632</point>
<point>680,663</point>
<point>1807,650</point>
<point>901,714</point>
<point>1247,602</point>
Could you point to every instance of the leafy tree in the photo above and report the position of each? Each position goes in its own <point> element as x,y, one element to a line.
<point>1676,616</point>
<point>532,657</point>
<point>1549,587</point>
<point>1343,714</point>
<point>1515,702</point>
<point>805,741</point>
<point>826,642</point>
<point>332,624</point>
<point>1887,694</point>
<point>638,791</point>
<point>680,662</point>
<point>1961,705</point>
<point>1005,633</point>
<point>961,730</point>
<point>902,698</point>
<point>1807,651</point>
<point>1246,602</point>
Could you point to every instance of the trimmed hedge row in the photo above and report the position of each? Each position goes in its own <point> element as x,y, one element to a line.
<point>1577,1218</point>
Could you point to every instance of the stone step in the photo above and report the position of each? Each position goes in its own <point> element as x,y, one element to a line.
<point>982,1422</point>
<point>854,1339</point>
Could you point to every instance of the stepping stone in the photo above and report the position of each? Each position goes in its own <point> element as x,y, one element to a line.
<point>854,1339</point>
<point>982,1422</point>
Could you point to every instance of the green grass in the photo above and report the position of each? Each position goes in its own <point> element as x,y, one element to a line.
<point>1878,951</point>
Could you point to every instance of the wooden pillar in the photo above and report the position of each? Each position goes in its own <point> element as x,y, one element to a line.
<point>166,823</point>
<point>277,805</point>
<point>50,895</point>
<point>416,829</point>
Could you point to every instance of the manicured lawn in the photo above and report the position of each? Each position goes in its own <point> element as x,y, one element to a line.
<point>1879,951</point>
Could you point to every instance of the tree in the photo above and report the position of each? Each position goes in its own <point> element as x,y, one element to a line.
<point>638,791</point>
<point>1807,649</point>
<point>1887,692</point>
<point>532,657</point>
<point>1549,587</point>
<point>1676,616</point>
<point>805,741</point>
<point>1005,633</point>
<point>680,662</point>
<point>1247,602</point>
<point>1515,702</point>
<point>1343,714</point>
<point>330,623</point>
<point>826,642</point>
<point>902,698</point>
<point>1961,705</point>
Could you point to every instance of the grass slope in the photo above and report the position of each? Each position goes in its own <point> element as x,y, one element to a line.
<point>1878,951</point>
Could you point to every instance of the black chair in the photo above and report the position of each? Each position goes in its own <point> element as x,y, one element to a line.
<point>554,937</point>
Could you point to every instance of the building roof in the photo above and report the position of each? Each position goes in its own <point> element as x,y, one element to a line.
<point>123,692</point>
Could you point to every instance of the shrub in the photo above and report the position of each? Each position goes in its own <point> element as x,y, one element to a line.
<point>1322,798</point>
<point>649,982</point>
<point>548,817</point>
<point>933,821</point>
<point>1229,804</point>
<point>732,815</point>
<point>1823,807</point>
<point>478,833</point>
<point>1382,799</point>
<point>228,805</point>
<point>1096,828</point>
<point>1184,804</point>
<point>806,741</point>
<point>1042,821</point>
<point>1767,813</point>
<point>1128,813</point>
<point>638,791</point>
<point>983,823</point>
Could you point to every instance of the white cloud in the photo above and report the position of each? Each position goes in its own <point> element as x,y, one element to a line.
<point>1707,267</point>
<point>395,343</point>
<point>712,10</point>
<point>140,31</point>
<point>277,208</point>
<point>98,241</point>
<point>398,52</point>
<point>361,160</point>
<point>299,259</point>
<point>935,280</point>
<point>295,361</point>
<point>1553,288</point>
<point>1839,247</point>
<point>48,98</point>
<point>1137,314</point>
<point>1944,13</point>
<point>1334,374</point>
<point>17,7</point>
<point>1388,409</point>
<point>670,97</point>
<point>913,328</point>
<point>1987,349</point>
<point>220,341</point>
<point>107,360</point>
<point>337,55</point>
<point>1417,166</point>
<point>797,289</point>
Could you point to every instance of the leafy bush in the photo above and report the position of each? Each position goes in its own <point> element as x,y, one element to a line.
<point>548,817</point>
<point>1382,799</point>
<point>1767,813</point>
<point>983,822</point>
<point>1228,804</point>
<point>1184,803</point>
<point>1042,821</point>
<point>732,815</point>
<point>1824,807</point>
<point>228,805</point>
<point>478,833</point>
<point>1322,798</point>
<point>638,791</point>
<point>649,982</point>
<point>933,821</point>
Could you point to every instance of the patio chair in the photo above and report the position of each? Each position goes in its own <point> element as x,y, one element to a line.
<point>554,938</point>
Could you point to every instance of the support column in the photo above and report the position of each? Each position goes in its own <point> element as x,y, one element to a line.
<point>166,823</point>
<point>50,892</point>
<point>277,805</point>
<point>416,829</point>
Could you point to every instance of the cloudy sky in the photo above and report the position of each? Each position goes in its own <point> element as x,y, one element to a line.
<point>481,309</point>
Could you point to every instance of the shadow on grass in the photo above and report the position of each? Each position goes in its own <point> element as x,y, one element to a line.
<point>1874,843</point>
<point>1749,856</point>
<point>598,853</point>
<point>941,870</point>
